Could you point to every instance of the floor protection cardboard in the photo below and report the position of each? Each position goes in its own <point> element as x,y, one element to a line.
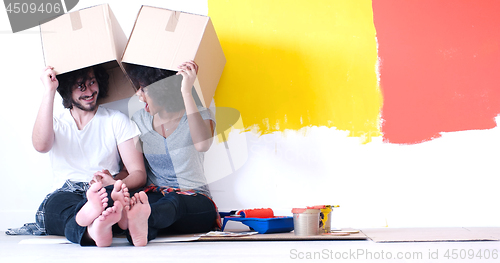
<point>285,237</point>
<point>433,234</point>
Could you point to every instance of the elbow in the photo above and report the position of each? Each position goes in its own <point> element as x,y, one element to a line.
<point>42,144</point>
<point>42,147</point>
<point>203,146</point>
<point>135,179</point>
<point>143,177</point>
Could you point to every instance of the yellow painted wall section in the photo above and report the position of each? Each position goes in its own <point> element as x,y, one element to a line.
<point>295,64</point>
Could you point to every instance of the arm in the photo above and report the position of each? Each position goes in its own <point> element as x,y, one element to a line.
<point>122,174</point>
<point>43,130</point>
<point>133,160</point>
<point>202,131</point>
<point>106,178</point>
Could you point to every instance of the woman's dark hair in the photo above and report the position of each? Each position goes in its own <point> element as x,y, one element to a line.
<point>68,80</point>
<point>162,86</point>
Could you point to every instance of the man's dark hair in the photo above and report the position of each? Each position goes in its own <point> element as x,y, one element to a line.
<point>163,86</point>
<point>68,80</point>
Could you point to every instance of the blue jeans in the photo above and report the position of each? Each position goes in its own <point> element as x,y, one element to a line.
<point>179,214</point>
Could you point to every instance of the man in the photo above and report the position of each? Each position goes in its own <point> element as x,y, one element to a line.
<point>86,143</point>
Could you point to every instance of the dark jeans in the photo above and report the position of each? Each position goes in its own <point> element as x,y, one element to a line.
<point>172,213</point>
<point>179,214</point>
<point>60,211</point>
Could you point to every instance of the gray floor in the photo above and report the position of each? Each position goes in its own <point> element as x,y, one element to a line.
<point>14,249</point>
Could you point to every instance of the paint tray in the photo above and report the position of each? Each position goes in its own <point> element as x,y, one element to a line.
<point>278,224</point>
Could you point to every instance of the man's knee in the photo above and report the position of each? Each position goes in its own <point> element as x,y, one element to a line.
<point>60,201</point>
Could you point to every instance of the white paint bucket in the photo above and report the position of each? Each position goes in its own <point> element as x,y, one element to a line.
<point>306,221</point>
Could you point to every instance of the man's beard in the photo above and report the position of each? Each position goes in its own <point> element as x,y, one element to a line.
<point>81,107</point>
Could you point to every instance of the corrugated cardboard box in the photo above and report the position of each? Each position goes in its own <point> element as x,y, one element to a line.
<point>163,38</point>
<point>85,38</point>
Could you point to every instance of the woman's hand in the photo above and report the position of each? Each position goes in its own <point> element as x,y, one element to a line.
<point>49,79</point>
<point>103,177</point>
<point>188,70</point>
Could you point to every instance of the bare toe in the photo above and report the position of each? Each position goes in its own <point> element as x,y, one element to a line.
<point>96,203</point>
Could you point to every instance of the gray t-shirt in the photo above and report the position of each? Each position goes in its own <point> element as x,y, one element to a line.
<point>174,161</point>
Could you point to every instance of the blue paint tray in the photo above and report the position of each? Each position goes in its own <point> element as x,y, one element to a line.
<point>278,224</point>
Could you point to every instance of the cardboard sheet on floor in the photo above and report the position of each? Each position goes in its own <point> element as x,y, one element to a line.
<point>285,237</point>
<point>49,240</point>
<point>46,240</point>
<point>382,235</point>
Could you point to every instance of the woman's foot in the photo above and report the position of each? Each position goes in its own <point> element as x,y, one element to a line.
<point>120,194</point>
<point>138,216</point>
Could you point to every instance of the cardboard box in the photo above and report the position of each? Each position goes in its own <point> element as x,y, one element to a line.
<point>85,38</point>
<point>163,38</point>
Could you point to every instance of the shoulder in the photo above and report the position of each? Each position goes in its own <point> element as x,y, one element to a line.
<point>142,118</point>
<point>114,115</point>
<point>114,119</point>
<point>123,128</point>
<point>107,112</point>
<point>63,115</point>
<point>63,118</point>
<point>206,113</point>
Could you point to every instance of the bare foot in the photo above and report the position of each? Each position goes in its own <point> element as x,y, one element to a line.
<point>101,229</point>
<point>97,201</point>
<point>138,216</point>
<point>120,194</point>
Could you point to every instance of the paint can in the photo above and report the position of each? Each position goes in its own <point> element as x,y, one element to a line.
<point>326,219</point>
<point>306,221</point>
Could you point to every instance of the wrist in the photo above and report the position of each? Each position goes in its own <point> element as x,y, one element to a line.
<point>49,94</point>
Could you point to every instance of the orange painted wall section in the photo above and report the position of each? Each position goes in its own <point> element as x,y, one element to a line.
<point>296,64</point>
<point>440,66</point>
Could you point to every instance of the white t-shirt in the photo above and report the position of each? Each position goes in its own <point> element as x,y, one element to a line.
<point>77,154</point>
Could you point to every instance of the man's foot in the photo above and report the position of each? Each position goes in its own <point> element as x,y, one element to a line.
<point>120,194</point>
<point>97,201</point>
<point>138,216</point>
<point>101,229</point>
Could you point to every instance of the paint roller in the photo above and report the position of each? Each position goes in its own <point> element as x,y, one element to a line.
<point>256,213</point>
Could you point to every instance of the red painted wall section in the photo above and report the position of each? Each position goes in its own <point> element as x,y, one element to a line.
<point>439,66</point>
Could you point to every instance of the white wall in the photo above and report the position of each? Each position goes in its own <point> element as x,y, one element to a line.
<point>26,174</point>
<point>450,181</point>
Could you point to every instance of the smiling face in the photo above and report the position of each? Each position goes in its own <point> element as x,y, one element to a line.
<point>85,92</point>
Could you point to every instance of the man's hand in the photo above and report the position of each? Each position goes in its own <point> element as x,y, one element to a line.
<point>49,79</point>
<point>104,177</point>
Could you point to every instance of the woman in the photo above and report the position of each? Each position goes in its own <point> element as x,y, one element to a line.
<point>175,133</point>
